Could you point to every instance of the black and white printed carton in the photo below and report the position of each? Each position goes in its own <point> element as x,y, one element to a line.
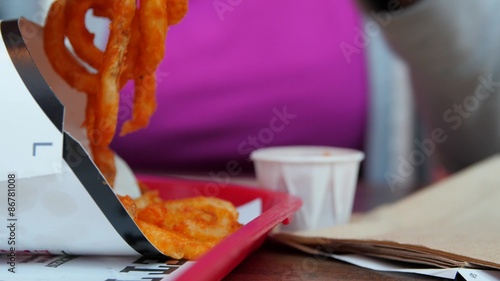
<point>56,208</point>
<point>56,198</point>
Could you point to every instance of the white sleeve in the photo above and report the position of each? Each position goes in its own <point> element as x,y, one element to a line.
<point>452,48</point>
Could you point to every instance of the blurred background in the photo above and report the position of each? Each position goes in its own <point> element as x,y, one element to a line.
<point>290,61</point>
<point>34,10</point>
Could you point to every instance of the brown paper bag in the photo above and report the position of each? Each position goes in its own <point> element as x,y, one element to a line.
<point>453,223</point>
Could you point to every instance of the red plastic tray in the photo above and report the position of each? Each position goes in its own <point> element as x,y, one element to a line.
<point>277,208</point>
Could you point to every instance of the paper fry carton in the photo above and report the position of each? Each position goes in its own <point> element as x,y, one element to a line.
<point>59,218</point>
<point>55,199</point>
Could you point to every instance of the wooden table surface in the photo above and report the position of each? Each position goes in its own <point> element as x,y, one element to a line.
<point>274,261</point>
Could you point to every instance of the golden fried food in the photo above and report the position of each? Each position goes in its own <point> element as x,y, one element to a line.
<point>144,102</point>
<point>61,59</point>
<point>147,198</point>
<point>129,205</point>
<point>80,38</point>
<point>150,55</point>
<point>176,9</point>
<point>135,48</point>
<point>107,100</point>
<point>184,228</point>
<point>203,218</point>
<point>174,244</point>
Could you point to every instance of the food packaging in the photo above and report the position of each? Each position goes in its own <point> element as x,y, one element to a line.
<point>58,211</point>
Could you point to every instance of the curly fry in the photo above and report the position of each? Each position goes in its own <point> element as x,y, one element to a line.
<point>144,104</point>
<point>174,244</point>
<point>104,158</point>
<point>150,57</point>
<point>133,50</point>
<point>153,48</point>
<point>106,111</point>
<point>176,9</point>
<point>183,228</point>
<point>136,46</point>
<point>63,62</point>
<point>80,38</point>
<point>129,205</point>
<point>203,218</point>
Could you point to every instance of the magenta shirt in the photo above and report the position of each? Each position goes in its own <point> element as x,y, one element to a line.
<point>239,75</point>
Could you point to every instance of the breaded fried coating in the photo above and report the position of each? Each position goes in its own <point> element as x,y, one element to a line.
<point>184,228</point>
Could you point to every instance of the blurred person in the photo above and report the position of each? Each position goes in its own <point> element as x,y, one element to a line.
<point>451,48</point>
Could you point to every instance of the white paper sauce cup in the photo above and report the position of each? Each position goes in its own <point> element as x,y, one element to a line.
<point>325,178</point>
